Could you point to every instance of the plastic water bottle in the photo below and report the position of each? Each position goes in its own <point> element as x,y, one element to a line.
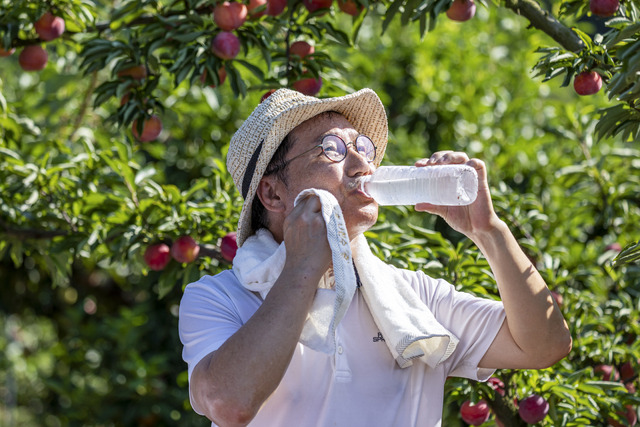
<point>446,185</point>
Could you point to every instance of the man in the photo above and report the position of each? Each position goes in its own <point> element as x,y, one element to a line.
<point>246,362</point>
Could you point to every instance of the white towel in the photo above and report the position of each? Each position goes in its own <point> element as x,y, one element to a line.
<point>409,328</point>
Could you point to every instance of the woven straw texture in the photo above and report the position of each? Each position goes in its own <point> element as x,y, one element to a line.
<point>278,115</point>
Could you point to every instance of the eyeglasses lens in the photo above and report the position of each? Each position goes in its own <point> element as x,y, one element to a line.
<point>366,148</point>
<point>336,149</point>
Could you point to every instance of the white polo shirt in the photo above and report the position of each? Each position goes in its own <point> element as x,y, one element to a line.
<point>361,384</point>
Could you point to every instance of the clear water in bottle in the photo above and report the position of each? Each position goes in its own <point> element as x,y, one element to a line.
<point>446,185</point>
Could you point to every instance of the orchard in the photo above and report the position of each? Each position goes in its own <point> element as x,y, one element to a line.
<point>115,120</point>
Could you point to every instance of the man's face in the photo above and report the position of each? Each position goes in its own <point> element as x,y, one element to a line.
<point>315,170</point>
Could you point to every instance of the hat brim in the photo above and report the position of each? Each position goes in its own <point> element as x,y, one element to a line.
<point>363,109</point>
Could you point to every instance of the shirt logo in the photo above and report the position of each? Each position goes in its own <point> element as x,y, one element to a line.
<point>378,338</point>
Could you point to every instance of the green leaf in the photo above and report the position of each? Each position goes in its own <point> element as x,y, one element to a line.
<point>584,37</point>
<point>623,34</point>
<point>254,69</point>
<point>237,84</point>
<point>394,7</point>
<point>608,385</point>
<point>629,254</point>
<point>409,10</point>
<point>10,153</point>
<point>189,37</point>
<point>144,173</point>
<point>199,185</point>
<point>591,388</point>
<point>338,35</point>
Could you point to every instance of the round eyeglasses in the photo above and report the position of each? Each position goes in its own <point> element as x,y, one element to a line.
<point>335,149</point>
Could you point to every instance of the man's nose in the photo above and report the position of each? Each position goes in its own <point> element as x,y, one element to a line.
<point>356,163</point>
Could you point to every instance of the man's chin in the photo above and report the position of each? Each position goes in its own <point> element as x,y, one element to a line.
<point>366,219</point>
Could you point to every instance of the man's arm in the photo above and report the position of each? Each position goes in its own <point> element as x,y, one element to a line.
<point>534,334</point>
<point>230,385</point>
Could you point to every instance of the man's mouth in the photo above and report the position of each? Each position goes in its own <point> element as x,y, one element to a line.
<point>356,185</point>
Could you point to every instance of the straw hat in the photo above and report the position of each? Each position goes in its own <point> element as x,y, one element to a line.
<point>254,144</point>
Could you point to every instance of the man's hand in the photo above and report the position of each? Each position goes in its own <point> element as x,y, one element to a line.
<point>534,334</point>
<point>478,217</point>
<point>305,237</point>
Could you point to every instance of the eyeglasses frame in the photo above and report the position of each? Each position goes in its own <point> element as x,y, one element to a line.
<point>347,144</point>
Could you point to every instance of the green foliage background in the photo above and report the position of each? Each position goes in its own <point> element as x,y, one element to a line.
<point>90,335</point>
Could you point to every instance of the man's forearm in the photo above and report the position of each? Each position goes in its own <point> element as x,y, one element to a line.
<point>233,382</point>
<point>534,320</point>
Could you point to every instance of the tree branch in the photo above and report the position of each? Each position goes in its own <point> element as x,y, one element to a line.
<point>547,23</point>
<point>82,111</point>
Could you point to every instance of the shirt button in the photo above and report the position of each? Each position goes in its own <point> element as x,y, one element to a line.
<point>340,349</point>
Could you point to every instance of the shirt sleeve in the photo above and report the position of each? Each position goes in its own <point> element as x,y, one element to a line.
<point>211,310</point>
<point>474,320</point>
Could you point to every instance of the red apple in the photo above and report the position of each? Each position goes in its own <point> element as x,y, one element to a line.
<point>533,409</point>
<point>276,7</point>
<point>33,58</point>
<point>225,45</point>
<point>229,16</point>
<point>627,371</point>
<point>350,7</point>
<point>267,94</point>
<point>229,246</point>
<point>609,373</point>
<point>49,27</point>
<point>151,129</point>
<point>185,249</point>
<point>157,256</point>
<point>137,72</point>
<point>255,4</point>
<point>587,83</point>
<point>301,48</point>
<point>309,86</point>
<point>222,76</point>
<point>475,414</point>
<point>630,414</point>
<point>6,52</point>
<point>604,7</point>
<point>461,10</point>
<point>313,5</point>
<point>497,385</point>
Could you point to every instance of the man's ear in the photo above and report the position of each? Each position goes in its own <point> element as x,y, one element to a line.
<point>269,190</point>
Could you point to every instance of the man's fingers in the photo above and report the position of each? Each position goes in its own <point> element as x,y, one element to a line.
<point>307,211</point>
<point>428,207</point>
<point>444,158</point>
<point>480,168</point>
<point>310,202</point>
<point>452,157</point>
